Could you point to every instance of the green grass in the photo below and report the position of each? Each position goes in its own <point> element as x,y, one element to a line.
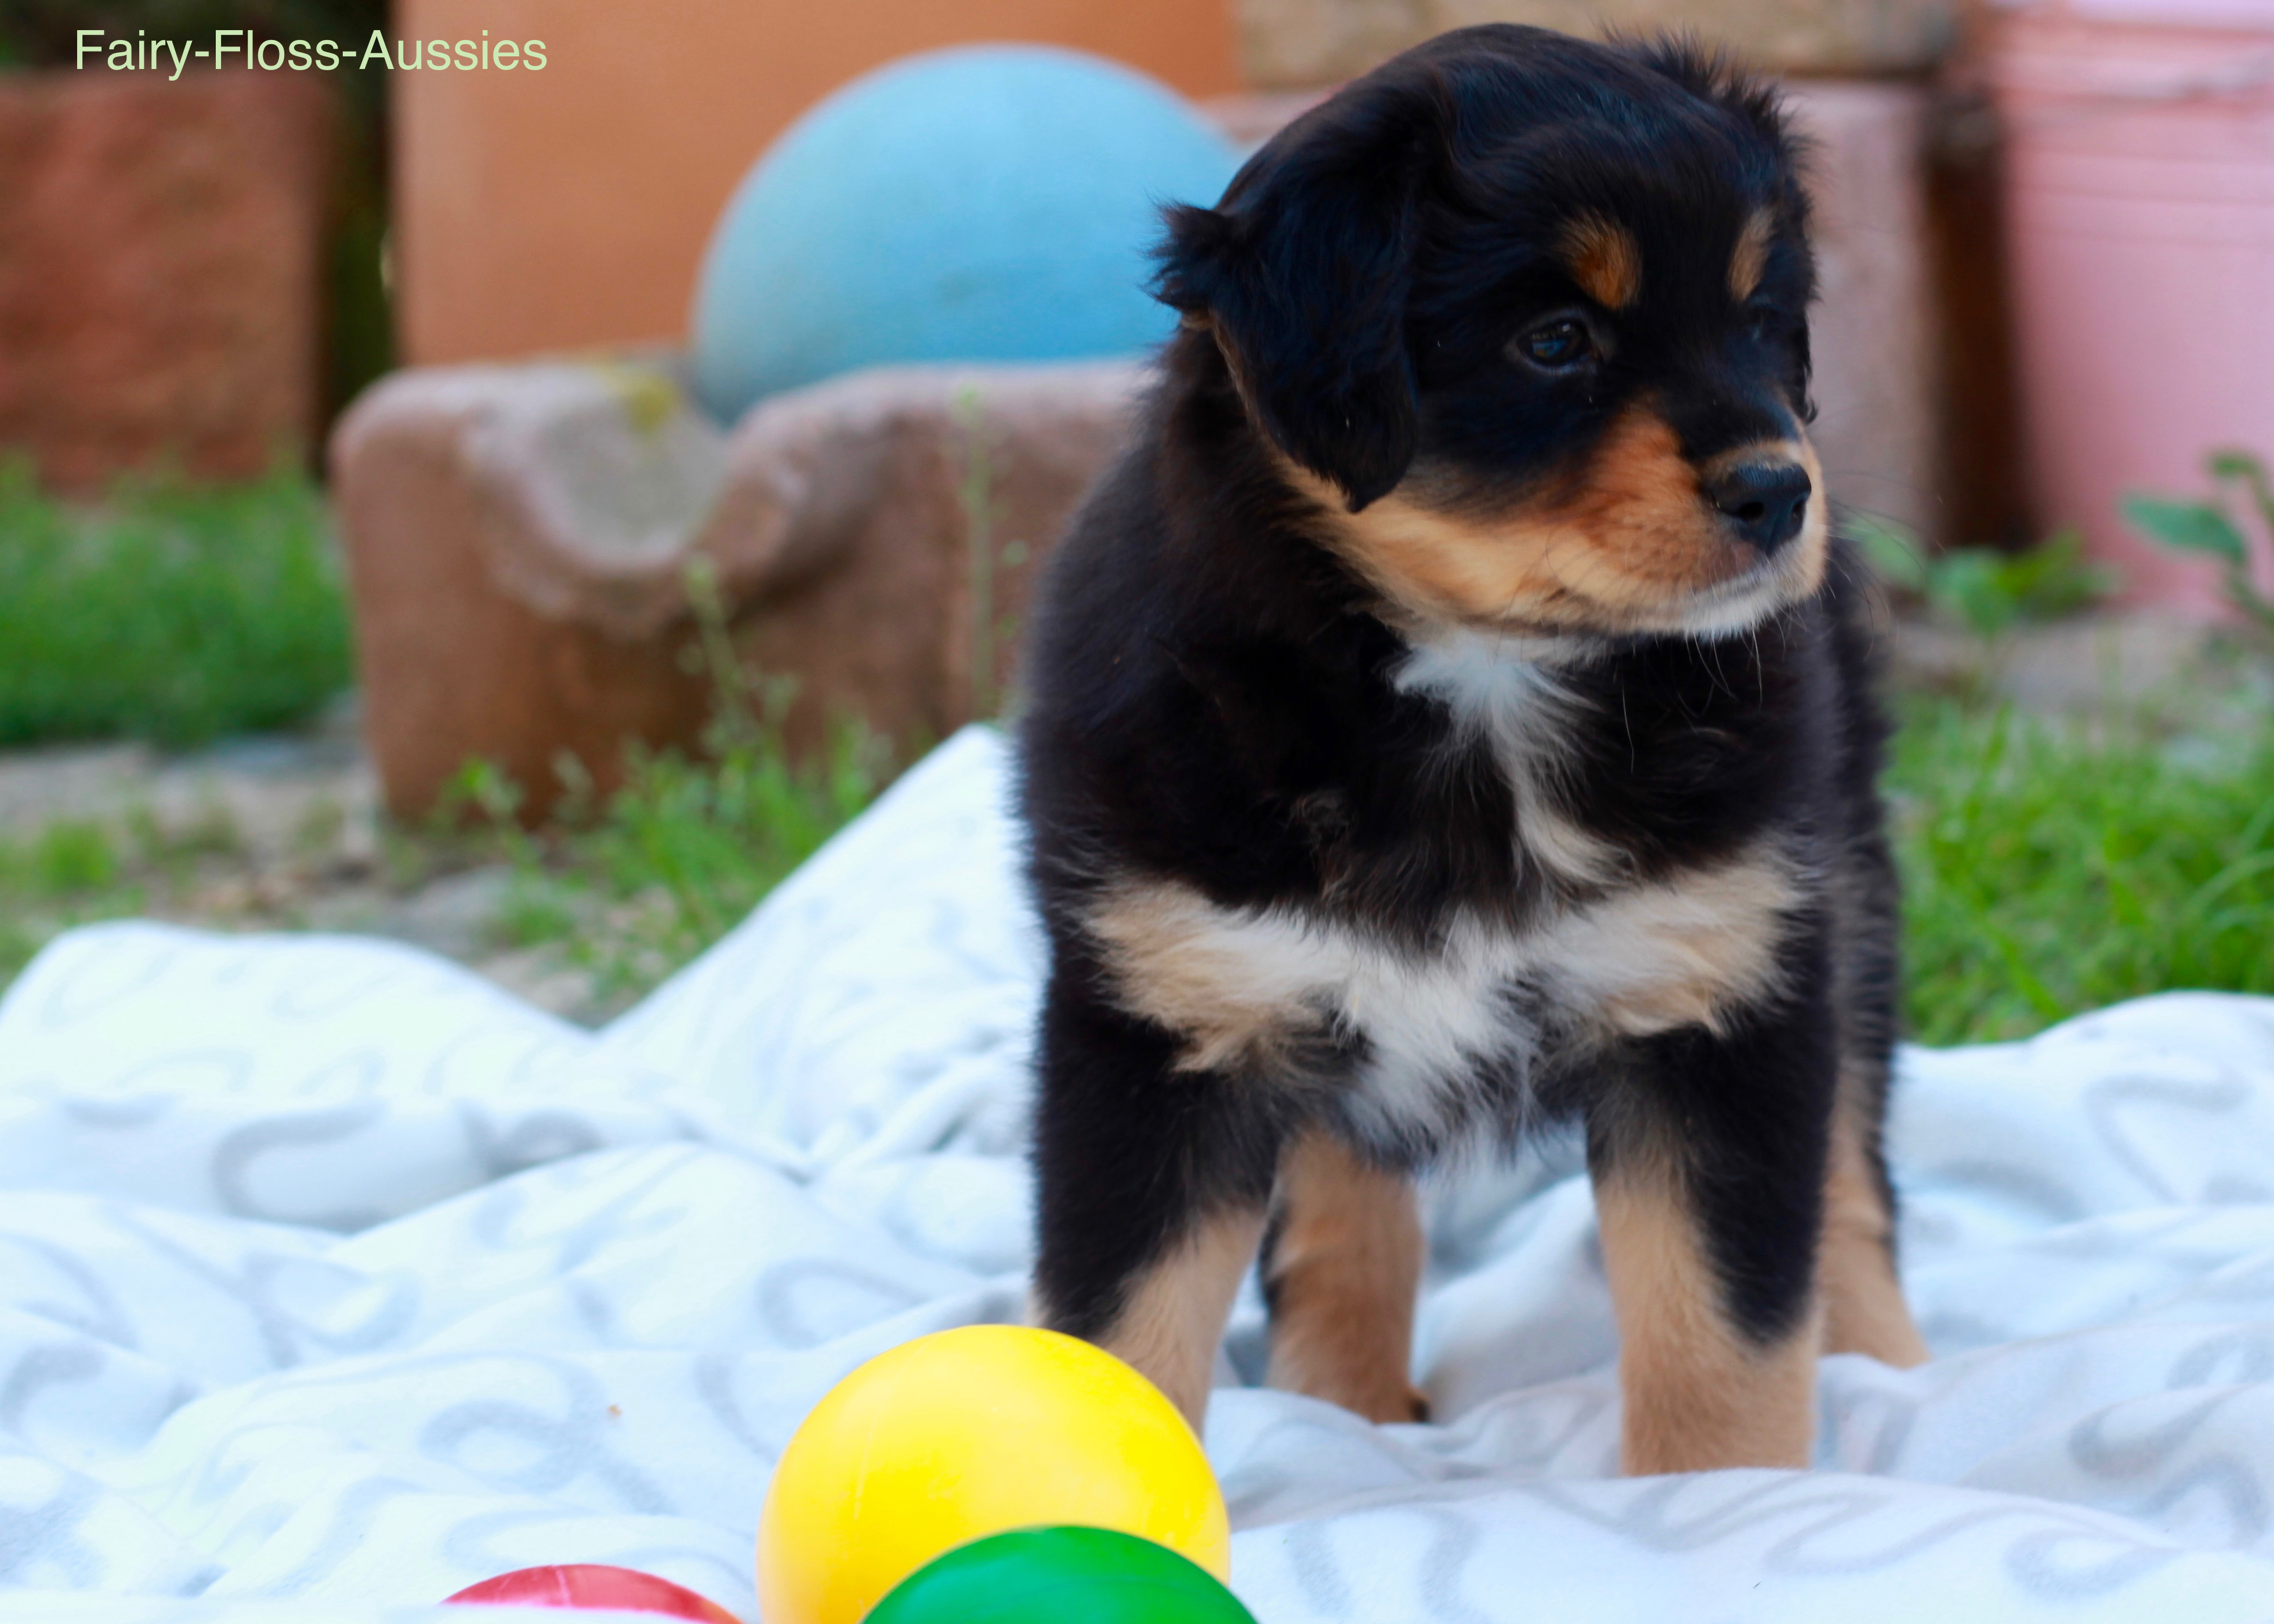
<point>678,857</point>
<point>66,874</point>
<point>79,871</point>
<point>171,613</point>
<point>2050,869</point>
<point>633,888</point>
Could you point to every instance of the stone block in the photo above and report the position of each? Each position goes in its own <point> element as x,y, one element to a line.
<point>1294,43</point>
<point>518,540</point>
<point>162,283</point>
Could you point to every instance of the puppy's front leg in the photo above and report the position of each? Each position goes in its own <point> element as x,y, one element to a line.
<point>1708,1160</point>
<point>1863,1306</point>
<point>1341,1266</point>
<point>1151,1185</point>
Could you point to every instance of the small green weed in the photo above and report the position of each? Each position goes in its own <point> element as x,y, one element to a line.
<point>73,857</point>
<point>1985,591</point>
<point>79,870</point>
<point>990,632</point>
<point>171,613</point>
<point>2049,868</point>
<point>634,887</point>
<point>2211,528</point>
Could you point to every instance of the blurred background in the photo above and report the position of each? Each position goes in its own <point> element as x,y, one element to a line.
<point>525,510</point>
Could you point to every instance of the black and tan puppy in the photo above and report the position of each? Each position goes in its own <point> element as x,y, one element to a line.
<point>1452,716</point>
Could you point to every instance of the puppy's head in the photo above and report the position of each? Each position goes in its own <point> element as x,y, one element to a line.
<point>1527,318</point>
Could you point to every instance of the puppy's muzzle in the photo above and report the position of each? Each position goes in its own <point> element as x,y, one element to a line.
<point>1765,503</point>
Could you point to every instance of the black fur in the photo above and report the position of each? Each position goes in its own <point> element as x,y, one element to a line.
<point>1210,687</point>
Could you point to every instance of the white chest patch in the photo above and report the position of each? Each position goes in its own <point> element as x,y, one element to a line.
<point>1245,988</point>
<point>1501,688</point>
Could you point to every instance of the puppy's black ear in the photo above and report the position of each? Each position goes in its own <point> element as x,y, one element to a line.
<point>1303,270</point>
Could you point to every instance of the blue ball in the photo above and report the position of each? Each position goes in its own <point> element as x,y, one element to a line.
<point>987,203</point>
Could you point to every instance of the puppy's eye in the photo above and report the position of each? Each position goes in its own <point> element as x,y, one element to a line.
<point>1558,345</point>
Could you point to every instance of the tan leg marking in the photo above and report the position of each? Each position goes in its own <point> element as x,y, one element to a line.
<point>1699,1394</point>
<point>1345,1269</point>
<point>1863,1306</point>
<point>1174,1317</point>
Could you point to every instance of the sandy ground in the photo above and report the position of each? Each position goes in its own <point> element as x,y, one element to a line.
<point>284,832</point>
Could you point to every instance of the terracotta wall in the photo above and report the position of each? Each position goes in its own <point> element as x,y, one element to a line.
<point>160,270</point>
<point>568,208</point>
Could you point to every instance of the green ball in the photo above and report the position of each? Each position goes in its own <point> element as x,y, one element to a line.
<point>1052,1576</point>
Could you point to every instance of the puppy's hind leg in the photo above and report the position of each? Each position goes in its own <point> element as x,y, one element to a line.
<point>1151,1185</point>
<point>1864,1307</point>
<point>1341,1262</point>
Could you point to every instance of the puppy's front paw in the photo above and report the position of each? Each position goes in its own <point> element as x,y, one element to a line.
<point>1382,1400</point>
<point>1413,1406</point>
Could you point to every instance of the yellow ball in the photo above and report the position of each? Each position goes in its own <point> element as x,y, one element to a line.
<point>970,1433</point>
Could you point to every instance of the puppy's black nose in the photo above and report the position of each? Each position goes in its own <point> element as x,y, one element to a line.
<point>1765,501</point>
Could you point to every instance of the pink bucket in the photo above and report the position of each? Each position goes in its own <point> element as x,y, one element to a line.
<point>2140,219</point>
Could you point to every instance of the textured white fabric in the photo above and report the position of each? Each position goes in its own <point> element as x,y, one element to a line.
<point>330,1274</point>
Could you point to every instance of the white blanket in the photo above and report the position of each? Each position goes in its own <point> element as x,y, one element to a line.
<point>328,1273</point>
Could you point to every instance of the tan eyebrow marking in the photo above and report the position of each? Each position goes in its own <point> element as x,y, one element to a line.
<point>1604,261</point>
<point>1751,257</point>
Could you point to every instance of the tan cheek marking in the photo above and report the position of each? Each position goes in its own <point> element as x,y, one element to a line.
<point>1238,996</point>
<point>1605,260</point>
<point>1699,1395</point>
<point>1678,953</point>
<point>1642,504</point>
<point>1864,1307</point>
<point>1752,256</point>
<point>1345,1267</point>
<point>1614,551</point>
<point>1174,1316</point>
<point>1435,564</point>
